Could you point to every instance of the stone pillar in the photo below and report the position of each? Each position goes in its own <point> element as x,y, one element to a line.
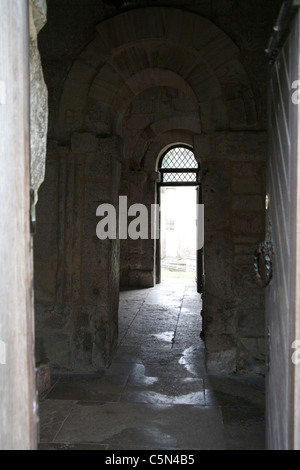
<point>77,275</point>
<point>100,258</point>
<point>233,182</point>
<point>137,262</point>
<point>18,410</point>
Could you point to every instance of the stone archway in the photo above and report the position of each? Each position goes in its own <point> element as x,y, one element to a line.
<point>150,76</point>
<point>157,46</point>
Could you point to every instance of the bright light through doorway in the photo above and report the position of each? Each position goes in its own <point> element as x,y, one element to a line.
<point>178,232</point>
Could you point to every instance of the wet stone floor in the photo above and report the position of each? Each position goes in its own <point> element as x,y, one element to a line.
<point>156,394</point>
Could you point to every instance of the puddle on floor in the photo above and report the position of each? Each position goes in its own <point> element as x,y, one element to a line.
<point>193,398</point>
<point>190,360</point>
<point>167,336</point>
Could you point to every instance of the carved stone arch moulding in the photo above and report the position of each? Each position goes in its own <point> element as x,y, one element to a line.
<point>207,64</point>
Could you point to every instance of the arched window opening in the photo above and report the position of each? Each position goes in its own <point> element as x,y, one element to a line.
<point>178,166</point>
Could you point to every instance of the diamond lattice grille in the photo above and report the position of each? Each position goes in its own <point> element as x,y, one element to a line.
<point>179,166</point>
<point>179,158</point>
<point>179,178</point>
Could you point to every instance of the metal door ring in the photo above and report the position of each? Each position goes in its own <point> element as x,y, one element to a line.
<point>265,250</point>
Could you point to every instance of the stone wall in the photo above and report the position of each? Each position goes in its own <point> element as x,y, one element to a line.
<point>233,182</point>
<point>38,97</point>
<point>137,261</point>
<point>76,274</point>
<point>18,411</point>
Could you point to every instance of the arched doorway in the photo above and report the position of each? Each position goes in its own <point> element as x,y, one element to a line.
<point>179,196</point>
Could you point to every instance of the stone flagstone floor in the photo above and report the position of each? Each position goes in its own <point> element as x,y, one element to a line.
<point>156,394</point>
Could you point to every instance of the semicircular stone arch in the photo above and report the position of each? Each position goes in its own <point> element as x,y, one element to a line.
<point>155,46</point>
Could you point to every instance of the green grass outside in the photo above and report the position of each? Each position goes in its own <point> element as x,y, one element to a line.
<point>177,274</point>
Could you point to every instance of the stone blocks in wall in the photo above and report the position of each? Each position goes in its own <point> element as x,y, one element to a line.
<point>242,147</point>
<point>221,361</point>
<point>76,321</point>
<point>141,278</point>
<point>47,230</point>
<point>82,142</point>
<point>233,181</point>
<point>44,378</point>
<point>137,257</point>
